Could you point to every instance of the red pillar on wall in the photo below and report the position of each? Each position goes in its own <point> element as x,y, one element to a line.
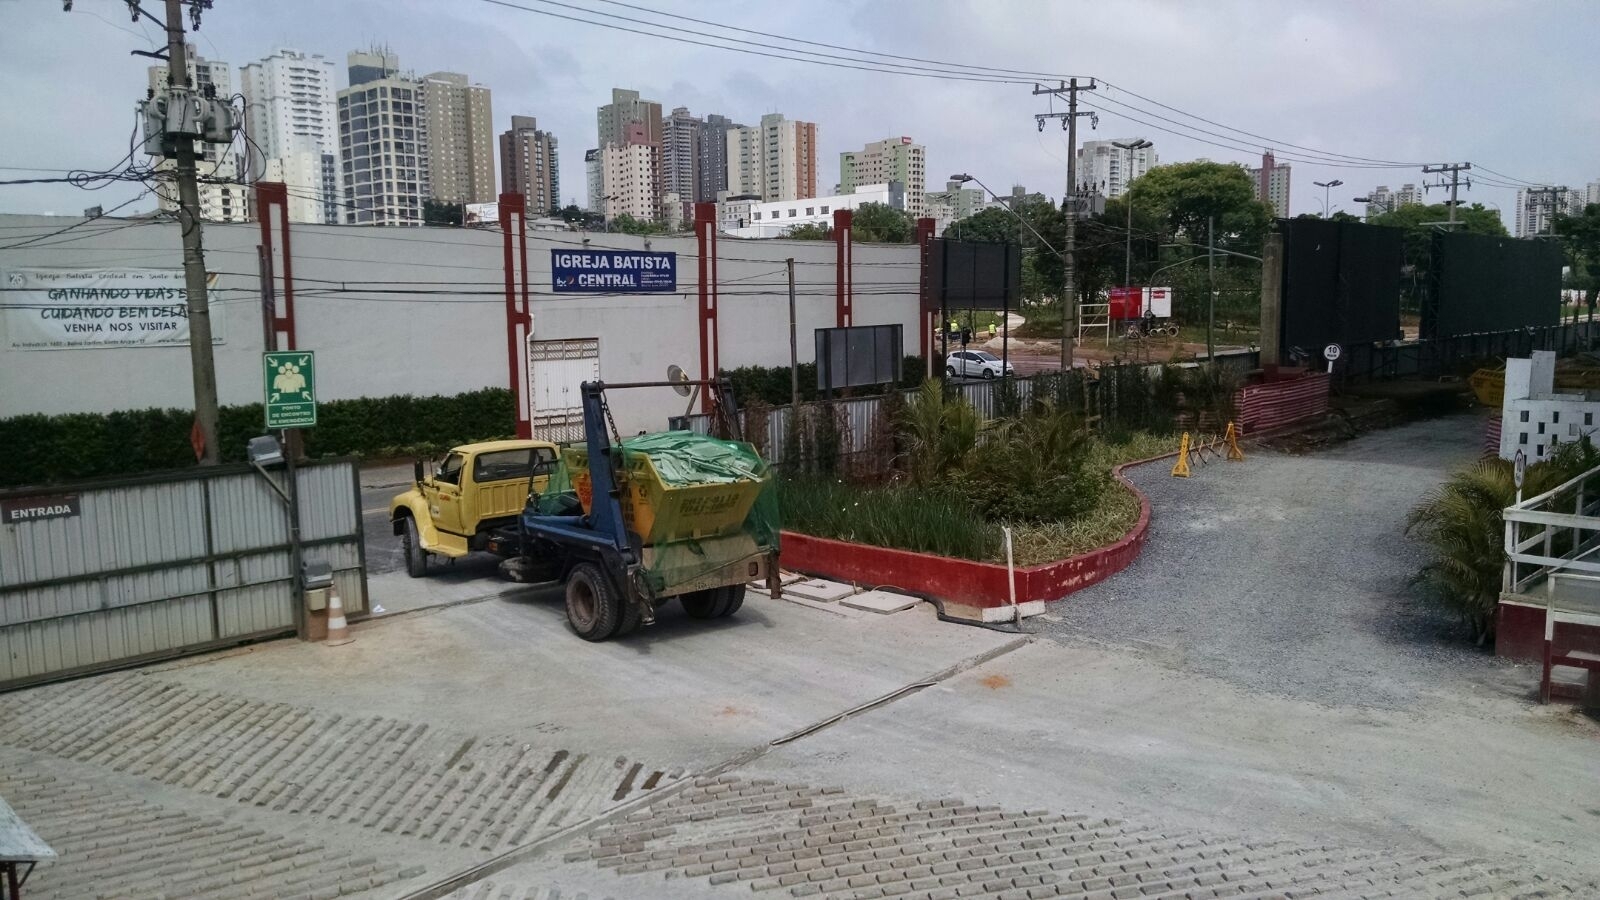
<point>705,233</point>
<point>928,310</point>
<point>277,266</point>
<point>844,286</point>
<point>519,324</point>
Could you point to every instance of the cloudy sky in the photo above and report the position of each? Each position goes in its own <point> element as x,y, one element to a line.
<point>1507,85</point>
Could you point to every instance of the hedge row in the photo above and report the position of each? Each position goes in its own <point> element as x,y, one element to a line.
<point>43,449</point>
<point>770,384</point>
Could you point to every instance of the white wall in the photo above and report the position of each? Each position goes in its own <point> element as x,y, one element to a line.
<point>372,341</point>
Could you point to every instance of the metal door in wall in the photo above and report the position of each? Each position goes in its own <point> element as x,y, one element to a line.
<point>556,369</point>
<point>105,573</point>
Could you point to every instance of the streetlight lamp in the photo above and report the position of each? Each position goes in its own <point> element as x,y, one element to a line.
<point>1020,218</point>
<point>1140,144</point>
<point>1386,205</point>
<point>1326,186</point>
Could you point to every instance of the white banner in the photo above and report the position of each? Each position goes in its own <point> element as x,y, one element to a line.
<point>54,309</point>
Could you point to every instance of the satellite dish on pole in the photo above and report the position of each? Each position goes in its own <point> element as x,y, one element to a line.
<point>674,373</point>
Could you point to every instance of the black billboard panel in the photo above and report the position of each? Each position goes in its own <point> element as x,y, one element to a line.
<point>860,355</point>
<point>1341,283</point>
<point>974,275</point>
<point>1485,283</point>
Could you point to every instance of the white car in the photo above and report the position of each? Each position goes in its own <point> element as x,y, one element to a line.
<point>975,364</point>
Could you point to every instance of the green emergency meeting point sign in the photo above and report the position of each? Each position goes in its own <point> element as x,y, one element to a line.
<point>291,389</point>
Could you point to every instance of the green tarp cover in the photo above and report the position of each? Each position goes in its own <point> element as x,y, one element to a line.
<point>683,458</point>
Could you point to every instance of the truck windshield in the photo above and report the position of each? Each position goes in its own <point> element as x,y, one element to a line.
<point>500,465</point>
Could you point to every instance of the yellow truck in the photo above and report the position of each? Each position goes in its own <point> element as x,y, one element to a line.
<point>476,489</point>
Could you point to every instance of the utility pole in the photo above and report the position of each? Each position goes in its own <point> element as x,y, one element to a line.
<point>1211,285</point>
<point>794,353</point>
<point>201,363</point>
<point>1545,197</point>
<point>1455,170</point>
<point>1069,287</point>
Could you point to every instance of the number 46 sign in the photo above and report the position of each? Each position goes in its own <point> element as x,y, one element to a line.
<point>290,395</point>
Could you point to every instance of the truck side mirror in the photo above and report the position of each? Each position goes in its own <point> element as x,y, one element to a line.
<point>416,471</point>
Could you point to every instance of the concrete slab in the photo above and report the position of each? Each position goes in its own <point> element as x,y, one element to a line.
<point>1108,732</point>
<point>881,602</point>
<point>820,589</point>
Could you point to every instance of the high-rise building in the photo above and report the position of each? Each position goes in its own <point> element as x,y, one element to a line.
<point>1537,209</point>
<point>1591,193</point>
<point>1408,195</point>
<point>221,200</point>
<point>776,159</point>
<point>954,203</point>
<point>529,165</point>
<point>294,131</point>
<point>1271,184</point>
<point>457,136</point>
<point>613,122</point>
<point>1381,200</point>
<point>1020,197</point>
<point>1106,169</point>
<point>380,142</point>
<point>594,180</point>
<point>712,163</point>
<point>680,160</point>
<point>892,159</point>
<point>630,175</point>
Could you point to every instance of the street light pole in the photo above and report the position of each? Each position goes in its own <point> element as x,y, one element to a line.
<point>1326,186</point>
<point>964,178</point>
<point>1127,199</point>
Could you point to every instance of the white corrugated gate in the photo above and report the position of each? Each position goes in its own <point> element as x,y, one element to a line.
<point>556,371</point>
<point>157,566</point>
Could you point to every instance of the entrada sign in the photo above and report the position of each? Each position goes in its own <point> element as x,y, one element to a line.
<point>612,271</point>
<point>33,509</point>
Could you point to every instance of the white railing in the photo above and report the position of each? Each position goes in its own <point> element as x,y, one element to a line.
<point>1552,540</point>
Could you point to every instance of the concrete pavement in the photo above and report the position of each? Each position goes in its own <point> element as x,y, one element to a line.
<point>480,750</point>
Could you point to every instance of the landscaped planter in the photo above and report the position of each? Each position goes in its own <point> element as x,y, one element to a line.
<point>967,590</point>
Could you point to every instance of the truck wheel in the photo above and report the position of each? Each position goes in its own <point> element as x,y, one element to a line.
<point>700,604</point>
<point>629,619</point>
<point>416,557</point>
<point>592,607</point>
<point>735,598</point>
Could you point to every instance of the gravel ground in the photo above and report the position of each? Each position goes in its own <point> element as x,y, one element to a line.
<point>1288,575</point>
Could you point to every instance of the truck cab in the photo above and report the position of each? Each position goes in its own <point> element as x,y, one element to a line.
<point>475,489</point>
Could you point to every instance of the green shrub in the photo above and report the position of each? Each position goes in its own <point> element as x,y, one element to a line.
<point>1035,469</point>
<point>900,516</point>
<point>41,449</point>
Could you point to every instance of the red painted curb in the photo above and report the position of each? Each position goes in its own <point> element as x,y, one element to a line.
<point>964,582</point>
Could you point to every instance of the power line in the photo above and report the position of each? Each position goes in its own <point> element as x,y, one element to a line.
<point>884,68</point>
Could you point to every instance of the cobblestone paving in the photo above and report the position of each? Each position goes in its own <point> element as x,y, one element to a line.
<point>112,845</point>
<point>807,841</point>
<point>399,777</point>
<point>488,890</point>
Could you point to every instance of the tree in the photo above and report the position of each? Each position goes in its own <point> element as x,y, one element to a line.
<point>1184,197</point>
<point>1580,236</point>
<point>810,231</point>
<point>437,212</point>
<point>626,224</point>
<point>880,223</point>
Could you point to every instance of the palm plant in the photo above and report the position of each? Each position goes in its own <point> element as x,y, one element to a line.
<point>941,433</point>
<point>1462,523</point>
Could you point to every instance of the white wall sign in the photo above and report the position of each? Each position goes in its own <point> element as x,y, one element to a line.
<point>56,309</point>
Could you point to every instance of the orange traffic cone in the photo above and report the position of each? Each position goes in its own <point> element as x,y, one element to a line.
<point>338,628</point>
